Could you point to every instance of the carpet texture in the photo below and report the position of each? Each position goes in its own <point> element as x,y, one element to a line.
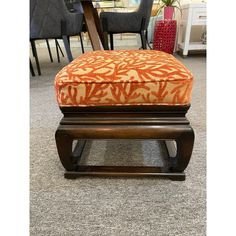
<point>112,206</point>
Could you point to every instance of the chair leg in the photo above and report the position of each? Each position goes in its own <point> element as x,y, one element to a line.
<point>57,50</point>
<point>143,39</point>
<point>64,147</point>
<point>147,40</point>
<point>106,45</point>
<point>34,51</point>
<point>81,42</point>
<point>105,33</point>
<point>59,47</point>
<point>111,41</point>
<point>32,69</point>
<point>67,48</point>
<point>49,50</point>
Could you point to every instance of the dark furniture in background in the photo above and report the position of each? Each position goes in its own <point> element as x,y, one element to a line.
<point>58,48</point>
<point>132,22</point>
<point>50,19</point>
<point>73,6</point>
<point>91,23</point>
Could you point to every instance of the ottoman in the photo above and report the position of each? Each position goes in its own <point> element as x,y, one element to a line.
<point>125,94</point>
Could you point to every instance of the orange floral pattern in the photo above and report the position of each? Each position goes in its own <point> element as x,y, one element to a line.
<point>124,77</point>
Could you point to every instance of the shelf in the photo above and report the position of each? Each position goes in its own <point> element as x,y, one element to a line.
<point>192,14</point>
<point>194,46</point>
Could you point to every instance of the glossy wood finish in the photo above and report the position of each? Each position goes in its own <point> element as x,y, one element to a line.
<point>125,122</point>
<point>120,171</point>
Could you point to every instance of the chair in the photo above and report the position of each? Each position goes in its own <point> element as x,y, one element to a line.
<point>50,19</point>
<point>132,22</point>
<point>72,7</point>
<point>76,7</point>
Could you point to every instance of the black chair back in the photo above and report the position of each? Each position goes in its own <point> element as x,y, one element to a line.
<point>46,17</point>
<point>145,8</point>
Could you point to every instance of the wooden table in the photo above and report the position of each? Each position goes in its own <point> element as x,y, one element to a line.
<point>93,24</point>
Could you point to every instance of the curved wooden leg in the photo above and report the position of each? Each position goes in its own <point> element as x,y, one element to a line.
<point>184,150</point>
<point>69,158</point>
<point>64,147</point>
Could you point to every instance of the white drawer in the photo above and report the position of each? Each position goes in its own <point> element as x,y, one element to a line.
<point>199,16</point>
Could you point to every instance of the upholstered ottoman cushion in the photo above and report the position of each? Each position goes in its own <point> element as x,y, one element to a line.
<point>124,77</point>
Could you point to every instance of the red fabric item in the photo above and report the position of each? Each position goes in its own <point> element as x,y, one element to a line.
<point>164,36</point>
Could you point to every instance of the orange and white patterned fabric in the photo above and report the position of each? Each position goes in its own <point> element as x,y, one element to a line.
<point>124,77</point>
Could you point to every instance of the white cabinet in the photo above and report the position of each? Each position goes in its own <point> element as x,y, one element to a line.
<point>192,14</point>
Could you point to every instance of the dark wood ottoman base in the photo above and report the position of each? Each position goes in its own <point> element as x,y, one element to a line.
<point>163,123</point>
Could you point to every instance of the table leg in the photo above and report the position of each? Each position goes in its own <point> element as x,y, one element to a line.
<point>99,28</point>
<point>93,25</point>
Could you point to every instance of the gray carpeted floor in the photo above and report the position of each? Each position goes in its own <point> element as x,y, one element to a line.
<point>112,206</point>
